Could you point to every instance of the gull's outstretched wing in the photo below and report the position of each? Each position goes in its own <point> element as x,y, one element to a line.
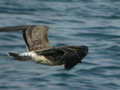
<point>14,28</point>
<point>36,37</point>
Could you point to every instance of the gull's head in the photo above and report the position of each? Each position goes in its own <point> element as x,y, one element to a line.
<point>82,51</point>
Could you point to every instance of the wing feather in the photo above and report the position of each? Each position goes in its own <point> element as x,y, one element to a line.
<point>36,38</point>
<point>13,28</point>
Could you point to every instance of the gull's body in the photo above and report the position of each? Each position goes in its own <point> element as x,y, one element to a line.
<point>40,51</point>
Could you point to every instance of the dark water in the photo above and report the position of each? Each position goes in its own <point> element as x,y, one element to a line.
<point>95,23</point>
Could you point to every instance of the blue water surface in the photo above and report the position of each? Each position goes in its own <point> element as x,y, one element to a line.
<point>95,23</point>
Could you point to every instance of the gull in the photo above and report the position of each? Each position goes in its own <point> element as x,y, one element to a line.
<point>39,49</point>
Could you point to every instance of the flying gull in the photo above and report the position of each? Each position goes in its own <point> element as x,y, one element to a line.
<point>40,50</point>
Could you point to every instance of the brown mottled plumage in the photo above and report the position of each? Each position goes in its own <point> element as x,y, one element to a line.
<point>39,49</point>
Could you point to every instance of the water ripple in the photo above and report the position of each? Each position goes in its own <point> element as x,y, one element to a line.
<point>93,23</point>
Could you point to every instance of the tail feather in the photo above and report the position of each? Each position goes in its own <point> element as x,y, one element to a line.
<point>17,56</point>
<point>13,54</point>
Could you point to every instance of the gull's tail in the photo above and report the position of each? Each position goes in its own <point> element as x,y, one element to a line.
<point>20,57</point>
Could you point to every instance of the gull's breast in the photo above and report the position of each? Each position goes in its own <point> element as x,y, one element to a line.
<point>42,59</point>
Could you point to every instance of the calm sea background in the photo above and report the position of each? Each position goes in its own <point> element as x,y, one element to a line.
<point>95,23</point>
